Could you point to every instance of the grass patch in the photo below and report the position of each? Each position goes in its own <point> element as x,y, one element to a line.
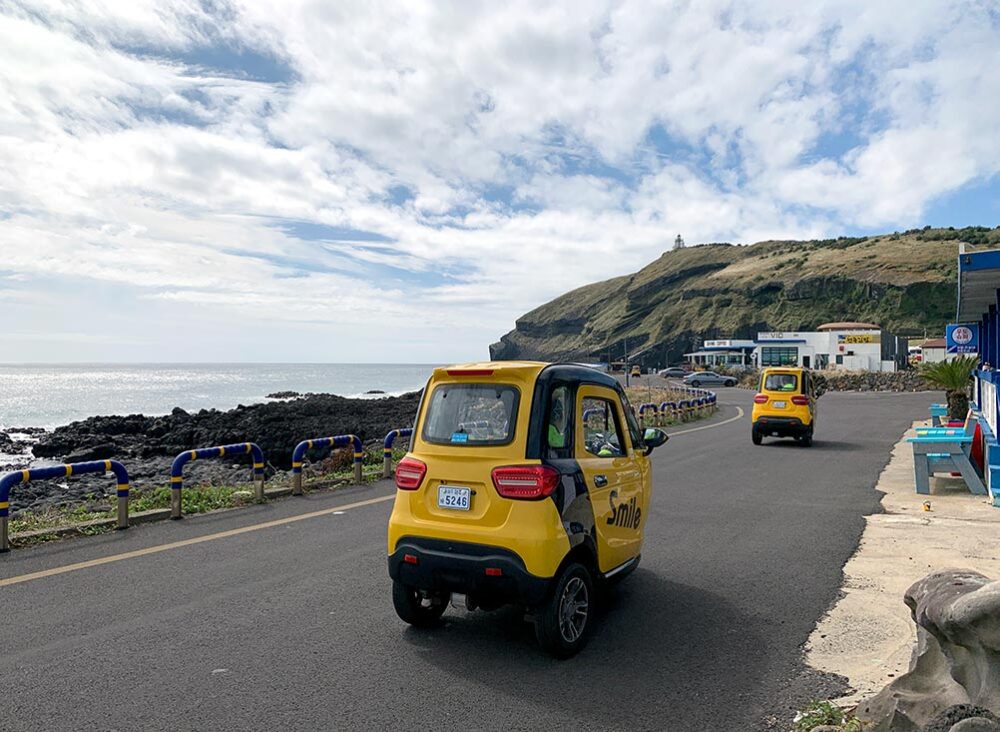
<point>820,713</point>
<point>194,499</point>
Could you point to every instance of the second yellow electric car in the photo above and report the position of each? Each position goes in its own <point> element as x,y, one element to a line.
<point>785,405</point>
<point>526,483</point>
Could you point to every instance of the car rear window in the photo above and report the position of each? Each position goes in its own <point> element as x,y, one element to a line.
<point>781,382</point>
<point>471,414</point>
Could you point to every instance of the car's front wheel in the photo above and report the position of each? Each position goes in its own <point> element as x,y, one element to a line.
<point>562,623</point>
<point>416,607</point>
<point>730,382</point>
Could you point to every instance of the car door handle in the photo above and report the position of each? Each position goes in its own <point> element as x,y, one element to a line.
<point>600,480</point>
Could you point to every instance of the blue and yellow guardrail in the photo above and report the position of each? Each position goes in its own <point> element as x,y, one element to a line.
<point>647,407</point>
<point>387,449</point>
<point>337,441</point>
<point>240,448</point>
<point>18,477</point>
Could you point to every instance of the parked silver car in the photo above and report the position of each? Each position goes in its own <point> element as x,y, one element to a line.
<point>674,372</point>
<point>708,378</point>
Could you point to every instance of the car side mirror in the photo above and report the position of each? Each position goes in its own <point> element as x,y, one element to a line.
<point>654,438</point>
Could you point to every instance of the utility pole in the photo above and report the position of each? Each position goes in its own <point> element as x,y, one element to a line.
<point>626,362</point>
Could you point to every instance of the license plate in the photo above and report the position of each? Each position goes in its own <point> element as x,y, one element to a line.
<point>455,497</point>
<point>779,405</point>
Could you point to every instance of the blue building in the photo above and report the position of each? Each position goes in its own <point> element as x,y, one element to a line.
<point>978,300</point>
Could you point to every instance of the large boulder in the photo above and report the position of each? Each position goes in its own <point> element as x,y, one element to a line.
<point>955,671</point>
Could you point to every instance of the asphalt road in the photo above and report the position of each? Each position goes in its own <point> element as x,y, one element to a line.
<point>291,626</point>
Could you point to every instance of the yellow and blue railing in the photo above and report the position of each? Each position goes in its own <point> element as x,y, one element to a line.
<point>240,448</point>
<point>387,444</point>
<point>18,477</point>
<point>337,441</point>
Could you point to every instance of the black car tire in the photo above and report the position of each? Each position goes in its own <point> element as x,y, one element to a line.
<point>695,383</point>
<point>421,610</point>
<point>755,436</point>
<point>729,382</point>
<point>562,625</point>
<point>807,439</point>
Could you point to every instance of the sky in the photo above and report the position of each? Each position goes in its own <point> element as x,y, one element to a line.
<point>398,182</point>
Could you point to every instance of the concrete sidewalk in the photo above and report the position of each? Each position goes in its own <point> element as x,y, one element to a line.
<point>869,636</point>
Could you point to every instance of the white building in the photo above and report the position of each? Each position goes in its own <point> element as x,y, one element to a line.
<point>934,350</point>
<point>851,346</point>
<point>729,352</point>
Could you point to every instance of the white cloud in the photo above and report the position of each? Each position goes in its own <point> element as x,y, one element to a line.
<point>504,152</point>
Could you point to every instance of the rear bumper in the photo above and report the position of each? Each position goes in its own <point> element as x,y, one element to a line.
<point>782,426</point>
<point>452,566</point>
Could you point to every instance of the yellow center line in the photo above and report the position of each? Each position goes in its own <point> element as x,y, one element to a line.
<point>710,426</point>
<point>186,542</point>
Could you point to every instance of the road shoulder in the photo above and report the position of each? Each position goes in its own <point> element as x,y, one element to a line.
<point>868,635</point>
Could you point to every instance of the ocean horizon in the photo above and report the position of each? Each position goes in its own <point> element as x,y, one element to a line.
<point>52,394</point>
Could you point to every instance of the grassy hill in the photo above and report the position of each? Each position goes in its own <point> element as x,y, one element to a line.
<point>903,281</point>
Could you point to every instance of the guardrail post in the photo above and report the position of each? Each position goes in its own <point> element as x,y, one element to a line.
<point>298,454</point>
<point>240,448</point>
<point>60,471</point>
<point>387,449</point>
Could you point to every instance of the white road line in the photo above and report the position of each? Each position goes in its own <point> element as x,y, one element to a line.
<point>739,415</point>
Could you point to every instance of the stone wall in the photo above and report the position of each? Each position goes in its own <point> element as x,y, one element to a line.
<point>837,380</point>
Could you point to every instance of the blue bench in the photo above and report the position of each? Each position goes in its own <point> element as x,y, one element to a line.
<point>968,429</point>
<point>938,412</point>
<point>944,454</point>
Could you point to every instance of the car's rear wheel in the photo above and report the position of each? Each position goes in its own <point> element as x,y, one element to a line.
<point>695,383</point>
<point>755,436</point>
<point>418,608</point>
<point>562,623</point>
<point>807,439</point>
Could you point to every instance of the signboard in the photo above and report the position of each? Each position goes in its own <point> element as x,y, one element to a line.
<point>852,338</point>
<point>962,338</point>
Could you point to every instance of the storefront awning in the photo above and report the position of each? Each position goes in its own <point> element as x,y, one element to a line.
<point>978,284</point>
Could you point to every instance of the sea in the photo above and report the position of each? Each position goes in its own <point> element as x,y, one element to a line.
<point>49,395</point>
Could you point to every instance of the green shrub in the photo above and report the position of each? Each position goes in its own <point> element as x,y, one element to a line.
<point>819,713</point>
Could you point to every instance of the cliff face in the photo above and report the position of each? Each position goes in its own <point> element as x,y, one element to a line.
<point>905,282</point>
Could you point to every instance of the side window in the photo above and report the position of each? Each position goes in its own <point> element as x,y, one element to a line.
<point>602,433</point>
<point>806,383</point>
<point>559,430</point>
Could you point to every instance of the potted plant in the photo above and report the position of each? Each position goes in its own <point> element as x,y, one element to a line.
<point>953,377</point>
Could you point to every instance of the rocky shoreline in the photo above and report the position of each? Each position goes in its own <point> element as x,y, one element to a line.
<point>147,445</point>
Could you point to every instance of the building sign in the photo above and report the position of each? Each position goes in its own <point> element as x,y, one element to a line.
<point>717,344</point>
<point>853,338</point>
<point>961,338</point>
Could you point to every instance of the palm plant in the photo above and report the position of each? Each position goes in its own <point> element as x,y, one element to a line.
<point>953,377</point>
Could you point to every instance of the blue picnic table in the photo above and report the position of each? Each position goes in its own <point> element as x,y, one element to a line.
<point>944,452</point>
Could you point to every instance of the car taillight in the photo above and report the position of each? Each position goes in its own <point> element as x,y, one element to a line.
<point>410,474</point>
<point>800,400</point>
<point>760,399</point>
<point>525,482</point>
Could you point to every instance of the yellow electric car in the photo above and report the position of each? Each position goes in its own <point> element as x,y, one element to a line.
<point>785,405</point>
<point>526,483</point>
